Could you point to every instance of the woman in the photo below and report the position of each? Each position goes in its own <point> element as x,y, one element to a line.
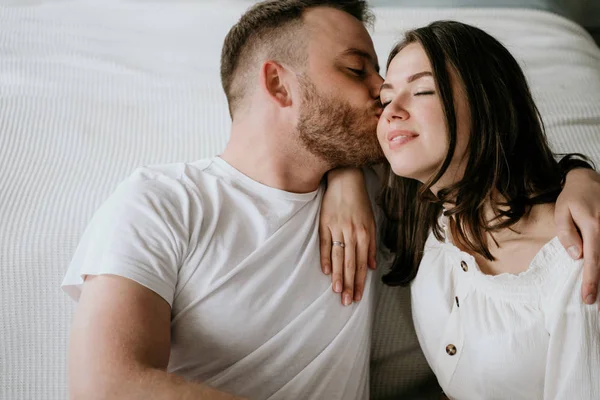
<point>472,184</point>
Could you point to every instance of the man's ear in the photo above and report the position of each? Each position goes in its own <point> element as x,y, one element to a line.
<point>273,77</point>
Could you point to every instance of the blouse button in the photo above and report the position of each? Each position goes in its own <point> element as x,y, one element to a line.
<point>451,349</point>
<point>464,266</point>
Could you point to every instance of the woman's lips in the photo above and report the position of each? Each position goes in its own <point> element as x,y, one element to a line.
<point>399,138</point>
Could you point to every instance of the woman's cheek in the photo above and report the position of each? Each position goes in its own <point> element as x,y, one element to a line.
<point>381,131</point>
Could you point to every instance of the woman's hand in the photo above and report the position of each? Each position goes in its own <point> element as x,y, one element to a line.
<point>347,231</point>
<point>578,211</point>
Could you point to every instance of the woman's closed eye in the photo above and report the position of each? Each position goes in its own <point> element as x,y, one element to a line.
<point>383,103</point>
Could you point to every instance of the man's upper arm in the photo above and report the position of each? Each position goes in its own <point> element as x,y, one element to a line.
<point>141,232</point>
<point>120,329</point>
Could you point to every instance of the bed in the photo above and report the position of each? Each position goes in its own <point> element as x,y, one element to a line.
<point>584,12</point>
<point>89,90</point>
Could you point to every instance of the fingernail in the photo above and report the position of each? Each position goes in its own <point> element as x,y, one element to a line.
<point>357,297</point>
<point>326,270</point>
<point>590,299</point>
<point>338,287</point>
<point>347,299</point>
<point>574,252</point>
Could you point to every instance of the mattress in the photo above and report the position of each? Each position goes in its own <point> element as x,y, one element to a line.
<point>90,90</point>
<point>584,12</point>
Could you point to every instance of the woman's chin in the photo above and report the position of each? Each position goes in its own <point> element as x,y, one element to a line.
<point>404,171</point>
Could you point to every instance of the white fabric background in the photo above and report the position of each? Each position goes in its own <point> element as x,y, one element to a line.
<point>89,90</point>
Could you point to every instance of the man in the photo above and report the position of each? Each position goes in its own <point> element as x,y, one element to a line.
<point>202,280</point>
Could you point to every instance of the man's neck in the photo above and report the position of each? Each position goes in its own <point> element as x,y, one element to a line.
<point>258,154</point>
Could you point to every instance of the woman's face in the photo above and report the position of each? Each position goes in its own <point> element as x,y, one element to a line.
<point>412,129</point>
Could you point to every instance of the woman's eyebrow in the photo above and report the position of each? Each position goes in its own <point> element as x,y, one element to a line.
<point>411,78</point>
<point>386,86</point>
<point>418,75</point>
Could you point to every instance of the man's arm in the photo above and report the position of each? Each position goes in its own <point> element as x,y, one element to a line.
<point>577,216</point>
<point>120,345</point>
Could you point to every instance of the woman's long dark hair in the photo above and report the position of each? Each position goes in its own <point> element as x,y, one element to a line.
<point>507,155</point>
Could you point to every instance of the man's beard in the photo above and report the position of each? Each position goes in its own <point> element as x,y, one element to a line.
<point>338,133</point>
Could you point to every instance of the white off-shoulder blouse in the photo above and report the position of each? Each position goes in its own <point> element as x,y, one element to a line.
<point>526,336</point>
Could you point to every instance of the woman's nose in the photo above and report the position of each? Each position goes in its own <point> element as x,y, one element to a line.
<point>395,112</point>
<point>401,114</point>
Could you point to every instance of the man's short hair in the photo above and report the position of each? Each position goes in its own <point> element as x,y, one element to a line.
<point>269,30</point>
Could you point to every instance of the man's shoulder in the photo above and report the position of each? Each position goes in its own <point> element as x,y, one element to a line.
<point>174,187</point>
<point>179,176</point>
<point>177,172</point>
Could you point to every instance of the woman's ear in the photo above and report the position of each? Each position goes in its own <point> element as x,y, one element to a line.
<point>273,77</point>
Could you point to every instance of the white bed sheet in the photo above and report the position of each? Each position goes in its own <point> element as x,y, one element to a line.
<point>90,90</point>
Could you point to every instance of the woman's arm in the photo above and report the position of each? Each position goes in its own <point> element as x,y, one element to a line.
<point>347,218</point>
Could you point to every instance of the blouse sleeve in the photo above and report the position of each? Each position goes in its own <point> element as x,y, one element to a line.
<point>573,363</point>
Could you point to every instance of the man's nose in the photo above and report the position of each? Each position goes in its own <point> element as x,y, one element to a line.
<point>376,83</point>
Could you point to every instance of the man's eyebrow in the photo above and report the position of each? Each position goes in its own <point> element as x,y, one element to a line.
<point>361,53</point>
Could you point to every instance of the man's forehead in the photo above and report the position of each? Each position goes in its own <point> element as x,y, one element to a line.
<point>339,33</point>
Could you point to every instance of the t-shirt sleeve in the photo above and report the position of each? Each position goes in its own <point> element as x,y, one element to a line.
<point>139,233</point>
<point>573,363</point>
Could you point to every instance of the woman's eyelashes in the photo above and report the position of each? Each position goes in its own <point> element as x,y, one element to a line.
<point>382,103</point>
<point>385,102</point>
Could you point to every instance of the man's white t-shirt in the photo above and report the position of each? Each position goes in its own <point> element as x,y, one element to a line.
<point>238,261</point>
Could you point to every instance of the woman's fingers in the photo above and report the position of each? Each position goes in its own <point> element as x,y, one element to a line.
<point>337,261</point>
<point>349,267</point>
<point>325,242</point>
<point>362,260</point>
<point>346,255</point>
